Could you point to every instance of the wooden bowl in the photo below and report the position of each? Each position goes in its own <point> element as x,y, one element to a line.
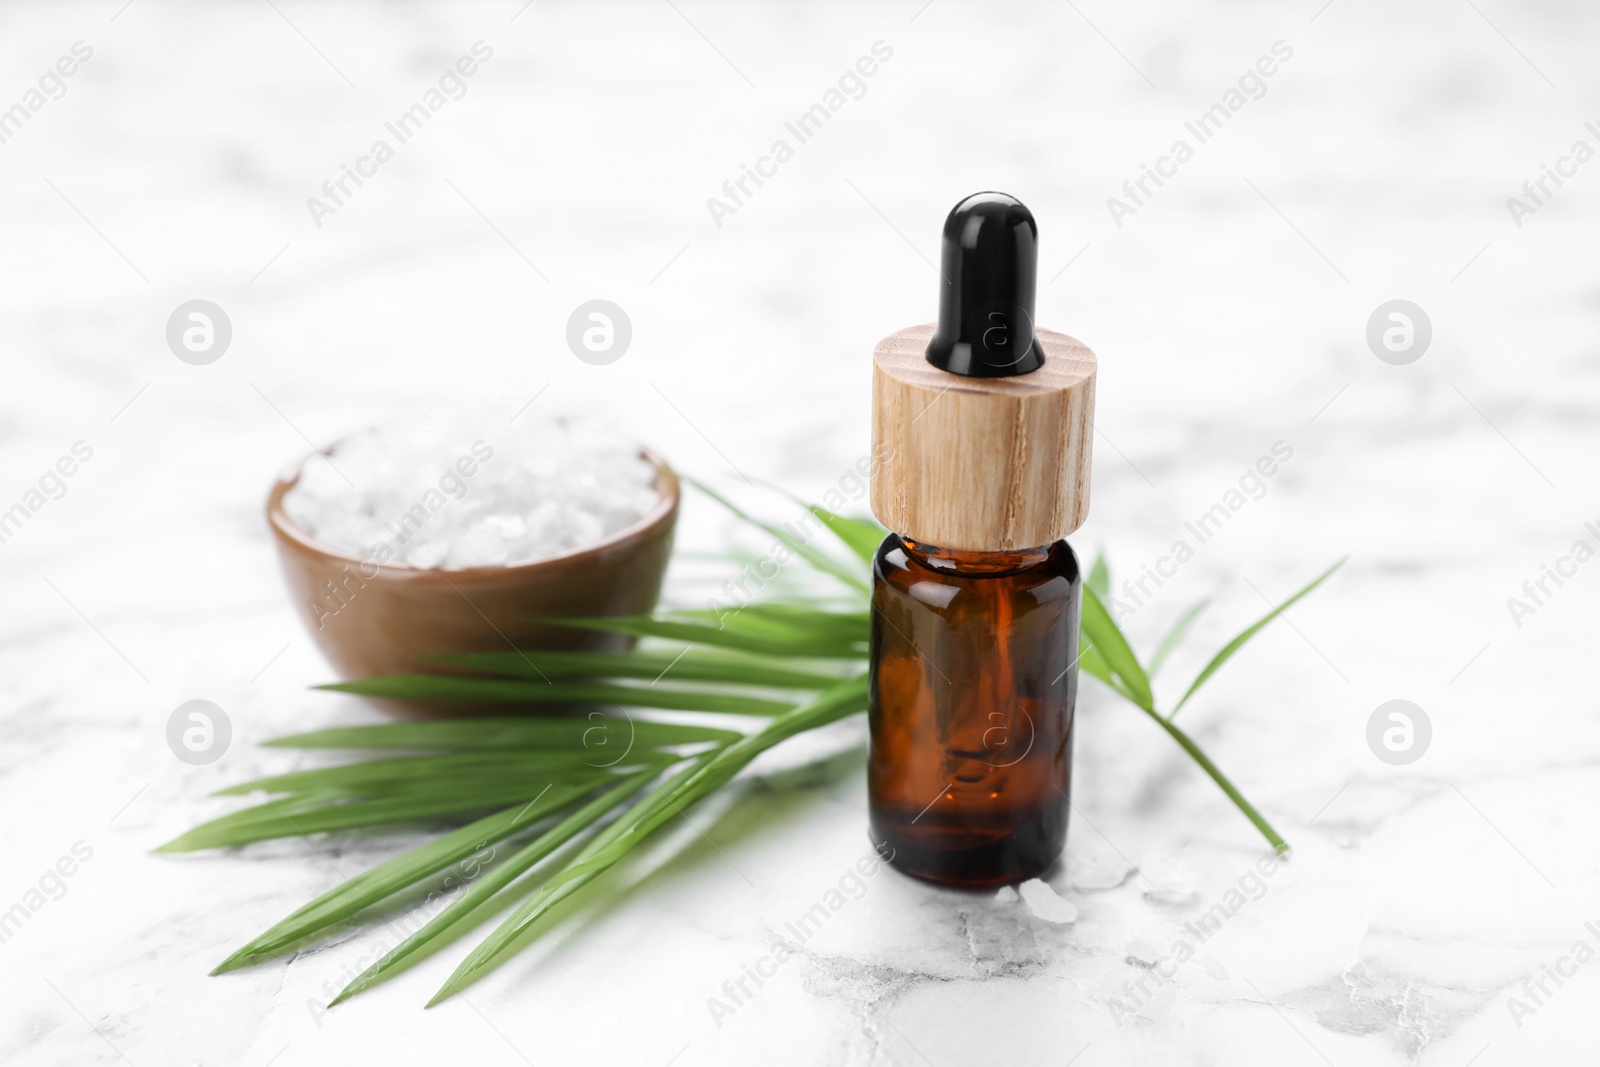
<point>370,618</point>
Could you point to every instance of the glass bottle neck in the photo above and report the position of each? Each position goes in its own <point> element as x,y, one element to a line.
<point>969,562</point>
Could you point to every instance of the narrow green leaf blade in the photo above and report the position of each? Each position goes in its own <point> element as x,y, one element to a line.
<point>722,636</point>
<point>1238,642</point>
<point>800,547</point>
<point>1175,636</point>
<point>686,665</point>
<point>1094,664</point>
<point>461,910</point>
<point>1100,577</point>
<point>704,775</point>
<point>1104,634</point>
<point>1279,845</point>
<point>215,833</point>
<point>282,818</point>
<point>786,624</point>
<point>374,775</point>
<point>395,874</point>
<point>431,687</point>
<point>861,536</point>
<point>502,734</point>
<point>1090,659</point>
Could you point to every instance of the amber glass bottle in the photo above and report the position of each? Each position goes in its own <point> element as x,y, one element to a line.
<point>982,428</point>
<point>973,688</point>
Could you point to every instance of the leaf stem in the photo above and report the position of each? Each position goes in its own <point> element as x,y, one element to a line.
<point>1279,845</point>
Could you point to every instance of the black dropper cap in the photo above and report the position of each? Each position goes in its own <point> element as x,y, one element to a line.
<point>990,261</point>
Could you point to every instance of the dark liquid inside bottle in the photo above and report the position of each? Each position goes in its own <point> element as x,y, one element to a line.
<point>974,680</point>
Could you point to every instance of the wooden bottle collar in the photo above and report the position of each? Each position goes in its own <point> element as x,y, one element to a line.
<point>981,464</point>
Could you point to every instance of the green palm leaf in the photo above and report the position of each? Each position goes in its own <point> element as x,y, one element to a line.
<point>413,774</point>
<point>1103,633</point>
<point>703,776</point>
<point>1175,636</point>
<point>1099,578</point>
<point>527,732</point>
<point>861,536</point>
<point>799,546</point>
<point>686,665</point>
<point>1094,664</point>
<point>393,875</point>
<point>444,687</point>
<point>726,635</point>
<point>298,817</point>
<point>1238,642</point>
<point>463,913</point>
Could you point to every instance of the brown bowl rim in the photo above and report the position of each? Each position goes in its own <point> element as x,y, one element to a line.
<point>659,514</point>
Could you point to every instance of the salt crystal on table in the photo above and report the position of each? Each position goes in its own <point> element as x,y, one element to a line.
<point>1045,904</point>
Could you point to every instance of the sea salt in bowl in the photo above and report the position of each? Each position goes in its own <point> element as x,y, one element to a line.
<point>406,543</point>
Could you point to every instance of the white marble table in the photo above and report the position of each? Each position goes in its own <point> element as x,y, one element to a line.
<point>1423,903</point>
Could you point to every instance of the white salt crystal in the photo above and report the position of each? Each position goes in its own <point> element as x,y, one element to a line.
<point>426,554</point>
<point>509,527</point>
<point>1144,952</point>
<point>465,492</point>
<point>1045,904</point>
